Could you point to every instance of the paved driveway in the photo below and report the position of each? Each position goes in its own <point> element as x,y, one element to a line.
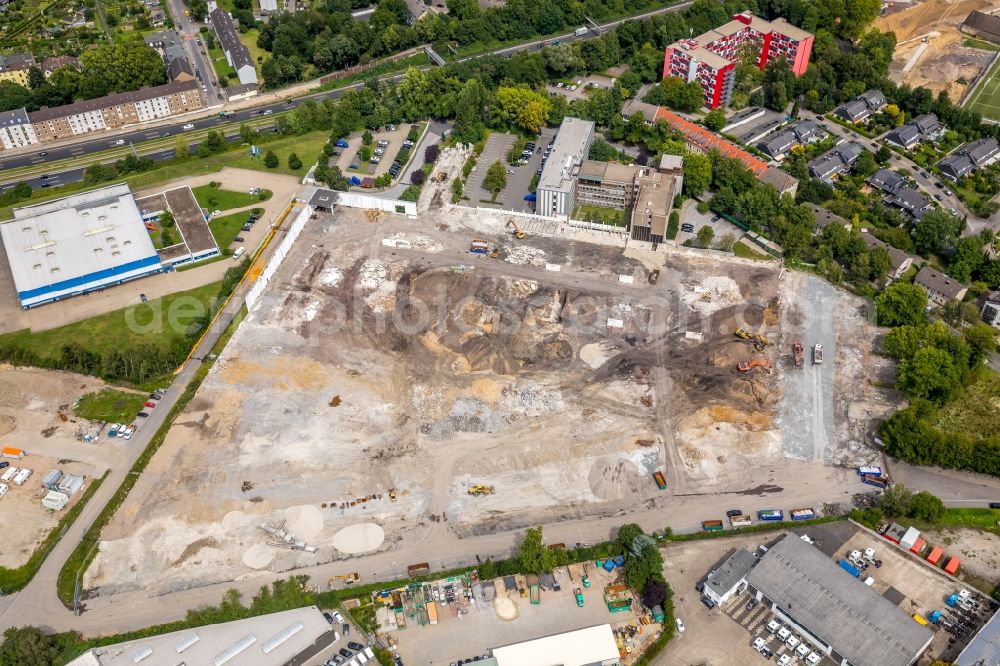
<point>496,149</point>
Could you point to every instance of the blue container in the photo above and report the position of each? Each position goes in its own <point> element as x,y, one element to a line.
<point>849,568</point>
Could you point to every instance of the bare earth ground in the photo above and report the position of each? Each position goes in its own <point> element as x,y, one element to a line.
<point>36,416</point>
<point>978,551</point>
<point>53,315</point>
<point>944,60</point>
<point>366,369</point>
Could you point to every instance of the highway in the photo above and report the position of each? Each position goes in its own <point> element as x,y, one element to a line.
<point>136,135</point>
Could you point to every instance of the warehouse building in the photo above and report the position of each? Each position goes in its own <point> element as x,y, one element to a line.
<point>265,640</point>
<point>730,577</point>
<point>837,614</point>
<point>593,646</point>
<point>557,185</point>
<point>77,244</point>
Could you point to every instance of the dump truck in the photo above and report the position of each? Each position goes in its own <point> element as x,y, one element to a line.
<point>817,354</point>
<point>797,349</point>
<point>747,366</point>
<point>518,234</point>
<point>534,589</point>
<point>579,597</point>
<point>712,525</point>
<point>661,481</point>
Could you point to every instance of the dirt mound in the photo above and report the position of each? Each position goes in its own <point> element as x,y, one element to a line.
<point>613,478</point>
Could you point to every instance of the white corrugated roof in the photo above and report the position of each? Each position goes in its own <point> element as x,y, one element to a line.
<point>592,645</point>
<point>75,237</point>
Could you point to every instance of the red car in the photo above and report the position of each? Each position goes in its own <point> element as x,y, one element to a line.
<point>150,404</point>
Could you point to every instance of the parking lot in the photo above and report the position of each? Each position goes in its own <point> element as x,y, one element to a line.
<point>721,226</point>
<point>475,633</point>
<point>519,176</point>
<point>393,144</point>
<point>710,636</point>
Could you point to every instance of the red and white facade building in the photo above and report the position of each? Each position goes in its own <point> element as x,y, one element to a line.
<point>711,58</point>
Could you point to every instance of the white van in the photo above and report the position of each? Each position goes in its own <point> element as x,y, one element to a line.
<point>189,126</point>
<point>239,252</point>
<point>362,659</point>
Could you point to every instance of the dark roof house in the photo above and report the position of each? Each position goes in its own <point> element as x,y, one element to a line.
<point>825,218</point>
<point>971,156</point>
<point>888,181</point>
<point>939,287</point>
<point>863,106</point>
<point>899,260</point>
<point>237,54</point>
<point>910,201</point>
<point>984,26</point>
<point>835,161</point>
<point>905,136</point>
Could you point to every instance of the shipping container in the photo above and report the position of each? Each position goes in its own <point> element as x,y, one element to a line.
<point>935,554</point>
<point>771,514</point>
<point>432,614</point>
<point>870,471</point>
<point>952,566</point>
<point>418,569</point>
<point>849,568</point>
<point>661,482</point>
<point>803,514</point>
<point>712,525</point>
<point>918,546</point>
<point>12,452</point>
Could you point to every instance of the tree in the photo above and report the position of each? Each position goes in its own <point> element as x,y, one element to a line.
<point>166,219</point>
<point>522,107</point>
<point>654,593</point>
<point>35,78</point>
<point>532,555</point>
<point>925,506</point>
<point>366,138</point>
<point>705,236</point>
<point>294,163</point>
<point>931,374</point>
<point>247,134</point>
<point>431,153</point>
<point>28,646</point>
<point>678,94</point>
<point>936,230</point>
<point>417,177</point>
<point>271,160</point>
<point>866,164</point>
<point>120,67</point>
<point>214,142</point>
<point>469,112</point>
<point>495,179</point>
<point>697,173</point>
<point>181,148</point>
<point>895,501</point>
<point>602,151</point>
<point>901,304</point>
<point>715,120</point>
<point>982,341</point>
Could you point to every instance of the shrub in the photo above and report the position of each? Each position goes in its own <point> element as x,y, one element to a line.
<point>431,153</point>
<point>418,177</point>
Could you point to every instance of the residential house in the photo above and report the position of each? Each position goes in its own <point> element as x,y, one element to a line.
<point>16,130</point>
<point>782,181</point>
<point>910,201</point>
<point>835,161</point>
<point>51,64</point>
<point>14,67</point>
<point>237,54</point>
<point>940,288</point>
<point>862,107</point>
<point>699,139</point>
<point>887,180</point>
<point>925,127</point>
<point>973,155</point>
<point>781,143</point>
<point>636,105</point>
<point>179,69</point>
<point>825,218</point>
<point>900,261</point>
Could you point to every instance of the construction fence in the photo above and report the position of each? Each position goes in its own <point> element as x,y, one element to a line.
<point>253,295</point>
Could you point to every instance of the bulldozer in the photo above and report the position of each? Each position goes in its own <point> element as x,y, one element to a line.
<point>518,234</point>
<point>798,351</point>
<point>747,366</point>
<point>374,215</point>
<point>758,340</point>
<point>480,489</point>
<point>494,253</point>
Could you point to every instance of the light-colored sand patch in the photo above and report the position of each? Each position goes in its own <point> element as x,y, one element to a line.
<point>360,538</point>
<point>258,556</point>
<point>596,354</point>
<point>505,608</point>
<point>304,521</point>
<point>713,293</point>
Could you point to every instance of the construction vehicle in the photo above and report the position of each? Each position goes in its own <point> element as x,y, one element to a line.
<point>442,176</point>
<point>747,366</point>
<point>758,340</point>
<point>518,234</point>
<point>817,354</point>
<point>661,482</point>
<point>392,494</point>
<point>584,579</point>
<point>797,349</point>
<point>480,489</point>
<point>347,579</point>
<point>494,253</point>
<point>374,215</point>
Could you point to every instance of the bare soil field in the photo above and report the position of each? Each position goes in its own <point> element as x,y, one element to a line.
<point>374,384</point>
<point>36,416</point>
<point>943,60</point>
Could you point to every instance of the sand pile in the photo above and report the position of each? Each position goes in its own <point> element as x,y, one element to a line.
<point>522,254</point>
<point>360,538</point>
<point>596,354</point>
<point>713,293</point>
<point>258,556</point>
<point>505,608</point>
<point>304,521</point>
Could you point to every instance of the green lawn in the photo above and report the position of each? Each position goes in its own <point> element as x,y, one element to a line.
<point>122,329</point>
<point>257,54</point>
<point>974,43</point>
<point>986,98</point>
<point>226,228</point>
<point>109,405</point>
<point>213,198</point>
<point>741,250</point>
<point>600,215</point>
<point>222,68</point>
<point>975,412</point>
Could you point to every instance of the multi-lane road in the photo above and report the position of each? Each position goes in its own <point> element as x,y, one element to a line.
<point>136,135</point>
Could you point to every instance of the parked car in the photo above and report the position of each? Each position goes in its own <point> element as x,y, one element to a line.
<point>43,153</point>
<point>995,505</point>
<point>734,512</point>
<point>268,112</point>
<point>347,627</point>
<point>4,464</point>
<point>129,432</point>
<point>329,618</point>
<point>680,624</point>
<point>238,239</point>
<point>337,616</point>
<point>347,653</point>
<point>689,228</point>
<point>357,647</point>
<point>247,227</point>
<point>938,197</point>
<point>142,414</point>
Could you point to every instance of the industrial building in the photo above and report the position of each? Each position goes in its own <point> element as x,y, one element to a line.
<point>710,59</point>
<point>984,648</point>
<point>77,244</point>
<point>266,640</point>
<point>725,581</point>
<point>593,646</point>
<point>557,184</point>
<point>837,614</point>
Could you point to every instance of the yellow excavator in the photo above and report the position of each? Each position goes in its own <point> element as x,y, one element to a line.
<point>480,489</point>
<point>518,234</point>
<point>758,340</point>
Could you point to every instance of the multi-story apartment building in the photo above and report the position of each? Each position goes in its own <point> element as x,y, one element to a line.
<point>14,67</point>
<point>710,59</point>
<point>18,128</point>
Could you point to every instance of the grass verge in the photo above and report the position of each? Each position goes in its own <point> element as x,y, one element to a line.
<point>225,229</point>
<point>121,329</point>
<point>12,580</point>
<point>214,198</point>
<point>983,45</point>
<point>418,60</point>
<point>741,250</point>
<point>109,405</point>
<point>84,553</point>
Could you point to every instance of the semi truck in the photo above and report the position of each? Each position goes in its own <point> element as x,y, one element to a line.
<point>803,514</point>
<point>770,515</point>
<point>581,31</point>
<point>661,481</point>
<point>712,525</point>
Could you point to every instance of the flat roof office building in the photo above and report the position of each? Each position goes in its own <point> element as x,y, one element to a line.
<point>557,184</point>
